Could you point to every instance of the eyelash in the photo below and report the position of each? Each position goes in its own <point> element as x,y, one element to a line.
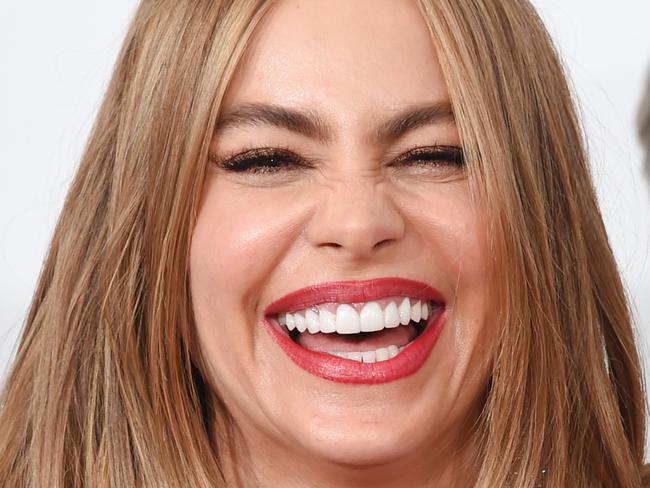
<point>272,160</point>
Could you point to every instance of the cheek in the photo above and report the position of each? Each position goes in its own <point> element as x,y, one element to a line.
<point>456,241</point>
<point>237,241</point>
<point>469,310</point>
<point>452,234</point>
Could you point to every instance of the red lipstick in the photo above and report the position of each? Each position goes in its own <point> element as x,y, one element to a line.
<point>334,368</point>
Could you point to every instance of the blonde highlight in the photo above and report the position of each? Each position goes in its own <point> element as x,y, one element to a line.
<point>104,390</point>
<point>108,386</point>
<point>566,404</point>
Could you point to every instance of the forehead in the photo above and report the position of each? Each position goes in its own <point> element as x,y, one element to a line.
<point>349,57</point>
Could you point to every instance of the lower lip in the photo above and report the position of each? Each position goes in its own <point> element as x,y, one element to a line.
<point>341,370</point>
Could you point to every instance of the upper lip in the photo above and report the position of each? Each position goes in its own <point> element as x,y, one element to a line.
<point>353,291</point>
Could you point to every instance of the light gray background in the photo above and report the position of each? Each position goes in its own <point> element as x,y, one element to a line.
<point>56,57</point>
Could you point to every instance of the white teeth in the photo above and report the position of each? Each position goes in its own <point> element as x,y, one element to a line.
<point>347,320</point>
<point>416,311</point>
<point>381,354</point>
<point>369,356</point>
<point>291,323</point>
<point>313,325</point>
<point>301,323</point>
<point>391,316</point>
<point>327,321</point>
<point>405,311</point>
<point>355,356</point>
<point>371,317</point>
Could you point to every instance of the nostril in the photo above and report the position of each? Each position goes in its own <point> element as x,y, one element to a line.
<point>334,245</point>
<point>358,222</point>
<point>383,243</point>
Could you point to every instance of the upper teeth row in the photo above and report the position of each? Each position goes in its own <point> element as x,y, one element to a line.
<point>348,321</point>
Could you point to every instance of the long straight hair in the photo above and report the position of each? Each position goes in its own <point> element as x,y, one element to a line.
<point>108,386</point>
<point>566,405</point>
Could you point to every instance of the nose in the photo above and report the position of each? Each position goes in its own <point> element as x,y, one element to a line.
<point>355,219</point>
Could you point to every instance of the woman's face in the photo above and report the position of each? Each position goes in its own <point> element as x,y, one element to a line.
<point>336,191</point>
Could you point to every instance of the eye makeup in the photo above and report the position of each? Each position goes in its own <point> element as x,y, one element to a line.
<point>272,160</point>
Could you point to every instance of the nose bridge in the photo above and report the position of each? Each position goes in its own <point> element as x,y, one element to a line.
<point>356,216</point>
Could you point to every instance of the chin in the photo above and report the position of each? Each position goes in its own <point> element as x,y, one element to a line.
<point>362,443</point>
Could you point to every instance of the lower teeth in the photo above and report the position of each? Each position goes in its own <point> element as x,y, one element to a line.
<point>381,354</point>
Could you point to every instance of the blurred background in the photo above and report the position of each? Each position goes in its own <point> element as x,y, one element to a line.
<point>56,58</point>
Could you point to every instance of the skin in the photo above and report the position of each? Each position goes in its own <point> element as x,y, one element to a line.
<point>351,216</point>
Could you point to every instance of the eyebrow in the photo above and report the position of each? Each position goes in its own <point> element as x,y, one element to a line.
<point>413,118</point>
<point>303,122</point>
<point>310,124</point>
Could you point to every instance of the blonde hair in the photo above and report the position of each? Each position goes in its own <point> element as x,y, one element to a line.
<point>108,386</point>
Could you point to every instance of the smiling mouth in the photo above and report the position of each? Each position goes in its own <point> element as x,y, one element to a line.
<point>366,332</point>
<point>371,331</point>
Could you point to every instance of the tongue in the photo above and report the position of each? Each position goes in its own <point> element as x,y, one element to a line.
<point>365,341</point>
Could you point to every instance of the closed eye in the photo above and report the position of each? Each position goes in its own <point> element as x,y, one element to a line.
<point>263,161</point>
<point>448,156</point>
<point>273,160</point>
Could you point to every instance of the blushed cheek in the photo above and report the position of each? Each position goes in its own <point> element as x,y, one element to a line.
<point>216,282</point>
<point>209,271</point>
<point>475,334</point>
<point>241,237</point>
<point>456,235</point>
